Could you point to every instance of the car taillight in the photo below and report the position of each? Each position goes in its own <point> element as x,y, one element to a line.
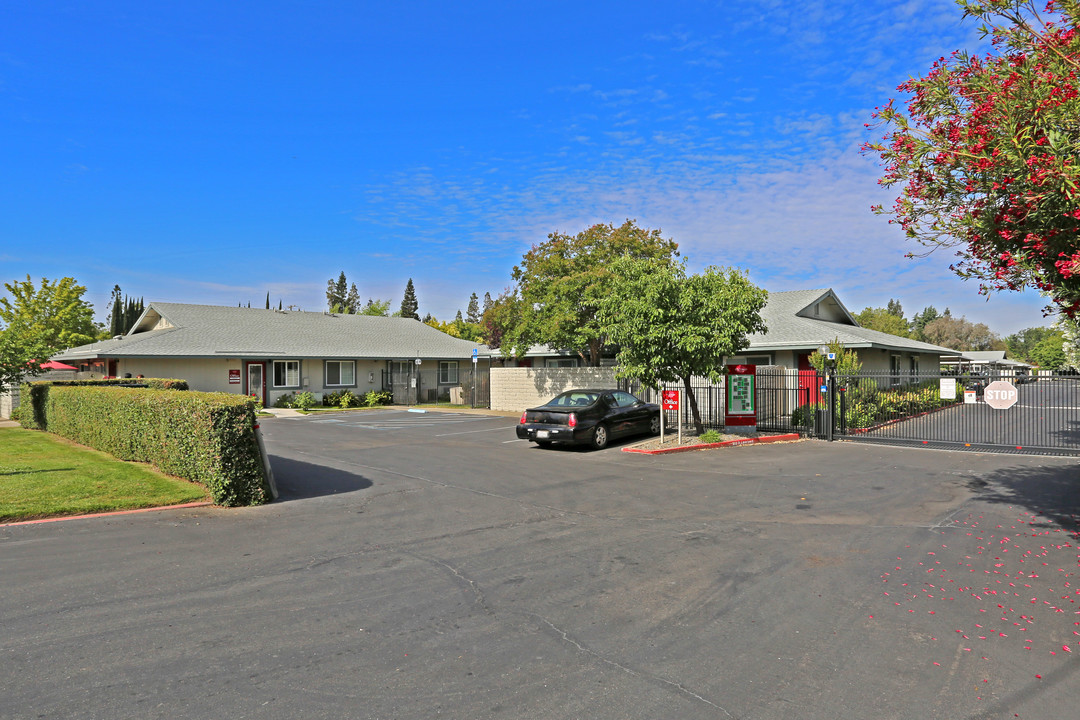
<point>573,420</point>
<point>523,421</point>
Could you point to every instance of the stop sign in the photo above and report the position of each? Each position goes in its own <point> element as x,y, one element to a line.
<point>1000,395</point>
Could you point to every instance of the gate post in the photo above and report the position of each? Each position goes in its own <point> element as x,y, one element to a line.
<point>830,398</point>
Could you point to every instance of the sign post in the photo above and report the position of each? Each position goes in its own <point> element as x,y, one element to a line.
<point>670,401</point>
<point>740,415</point>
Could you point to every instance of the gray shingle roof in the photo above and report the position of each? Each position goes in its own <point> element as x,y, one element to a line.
<point>787,330</point>
<point>216,331</point>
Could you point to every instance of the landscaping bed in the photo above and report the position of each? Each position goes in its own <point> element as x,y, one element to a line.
<point>671,443</point>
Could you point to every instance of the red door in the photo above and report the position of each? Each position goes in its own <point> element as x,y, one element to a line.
<point>808,380</point>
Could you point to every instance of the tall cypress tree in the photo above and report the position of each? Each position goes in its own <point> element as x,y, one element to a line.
<point>472,314</point>
<point>116,319</point>
<point>336,293</point>
<point>267,299</point>
<point>409,306</point>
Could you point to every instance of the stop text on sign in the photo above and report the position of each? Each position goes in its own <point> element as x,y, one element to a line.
<point>1000,395</point>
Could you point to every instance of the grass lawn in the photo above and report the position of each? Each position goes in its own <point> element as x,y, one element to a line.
<point>44,476</point>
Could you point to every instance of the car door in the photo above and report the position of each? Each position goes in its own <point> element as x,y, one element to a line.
<point>615,417</point>
<point>635,412</point>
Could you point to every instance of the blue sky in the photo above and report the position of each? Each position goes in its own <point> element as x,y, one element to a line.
<point>214,152</point>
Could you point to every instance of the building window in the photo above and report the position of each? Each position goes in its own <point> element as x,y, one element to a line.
<point>341,373</point>
<point>560,362</point>
<point>448,372</point>
<point>286,373</point>
<point>914,369</point>
<point>894,369</point>
<point>758,360</point>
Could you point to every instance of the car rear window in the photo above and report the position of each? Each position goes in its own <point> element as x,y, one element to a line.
<point>574,399</point>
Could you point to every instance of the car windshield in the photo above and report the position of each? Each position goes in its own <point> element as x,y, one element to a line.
<point>574,398</point>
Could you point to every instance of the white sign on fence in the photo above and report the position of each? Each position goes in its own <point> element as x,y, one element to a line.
<point>947,388</point>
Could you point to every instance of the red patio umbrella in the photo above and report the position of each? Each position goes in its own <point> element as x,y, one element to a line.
<point>54,365</point>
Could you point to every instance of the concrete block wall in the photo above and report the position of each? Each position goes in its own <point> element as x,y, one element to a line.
<point>515,389</point>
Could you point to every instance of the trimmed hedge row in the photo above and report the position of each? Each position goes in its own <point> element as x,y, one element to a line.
<point>155,383</point>
<point>208,438</point>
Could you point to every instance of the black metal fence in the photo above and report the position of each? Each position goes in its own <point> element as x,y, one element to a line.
<point>465,387</point>
<point>924,409</point>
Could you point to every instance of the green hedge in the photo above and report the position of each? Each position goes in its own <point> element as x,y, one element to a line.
<point>155,383</point>
<point>208,438</point>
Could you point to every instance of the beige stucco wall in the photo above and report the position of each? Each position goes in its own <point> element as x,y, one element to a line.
<point>514,389</point>
<point>212,374</point>
<point>9,400</point>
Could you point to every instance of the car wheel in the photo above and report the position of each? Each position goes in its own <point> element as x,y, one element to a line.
<point>543,444</point>
<point>599,437</point>
<point>654,425</point>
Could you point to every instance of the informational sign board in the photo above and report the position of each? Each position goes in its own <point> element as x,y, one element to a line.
<point>970,396</point>
<point>740,413</point>
<point>1000,395</point>
<point>947,388</point>
<point>234,376</point>
<point>670,399</point>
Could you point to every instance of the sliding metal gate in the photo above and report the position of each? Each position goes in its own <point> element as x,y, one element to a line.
<point>952,412</point>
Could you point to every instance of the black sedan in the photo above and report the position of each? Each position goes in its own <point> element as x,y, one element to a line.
<point>593,417</point>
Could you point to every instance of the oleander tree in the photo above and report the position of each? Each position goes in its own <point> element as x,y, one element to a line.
<point>671,327</point>
<point>986,152</point>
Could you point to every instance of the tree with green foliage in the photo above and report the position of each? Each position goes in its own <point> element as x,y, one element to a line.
<point>472,314</point>
<point>847,361</point>
<point>501,318</point>
<point>487,303</point>
<point>883,320</point>
<point>352,301</point>
<point>458,327</point>
<point>563,281</point>
<point>36,323</point>
<point>1020,344</point>
<point>1049,353</point>
<point>670,326</point>
<point>376,308</point>
<point>337,291</point>
<point>921,319</point>
<point>409,305</point>
<point>116,314</point>
<point>986,152</point>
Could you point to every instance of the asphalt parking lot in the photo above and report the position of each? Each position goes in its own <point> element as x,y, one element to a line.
<point>430,565</point>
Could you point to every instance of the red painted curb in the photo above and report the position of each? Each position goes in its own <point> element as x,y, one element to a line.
<point>708,446</point>
<point>106,514</point>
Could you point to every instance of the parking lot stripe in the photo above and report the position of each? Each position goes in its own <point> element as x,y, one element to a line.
<point>467,432</point>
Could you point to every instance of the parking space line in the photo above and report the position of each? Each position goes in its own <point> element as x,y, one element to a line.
<point>467,432</point>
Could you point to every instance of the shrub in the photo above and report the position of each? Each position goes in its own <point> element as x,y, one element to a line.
<point>331,399</point>
<point>347,400</point>
<point>285,401</point>
<point>152,383</point>
<point>802,416</point>
<point>303,401</point>
<point>709,436</point>
<point>378,397</point>
<point>208,438</point>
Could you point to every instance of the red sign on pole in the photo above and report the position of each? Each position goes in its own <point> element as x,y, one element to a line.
<point>670,399</point>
